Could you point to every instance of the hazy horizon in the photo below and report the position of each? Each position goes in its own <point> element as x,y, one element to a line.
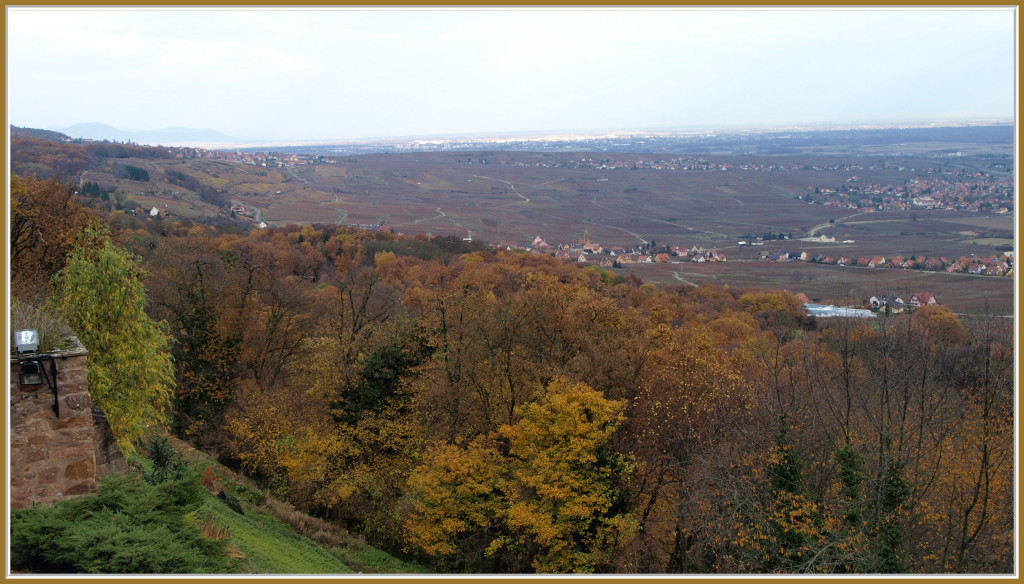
<point>264,74</point>
<point>540,134</point>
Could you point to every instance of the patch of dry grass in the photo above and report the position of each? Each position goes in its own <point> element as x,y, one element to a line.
<point>315,529</point>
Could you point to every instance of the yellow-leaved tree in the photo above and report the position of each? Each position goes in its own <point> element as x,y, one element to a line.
<point>100,295</point>
<point>460,500</point>
<point>541,493</point>
<point>567,504</point>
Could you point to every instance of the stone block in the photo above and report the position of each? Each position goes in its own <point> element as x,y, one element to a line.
<point>81,488</point>
<point>19,389</point>
<point>22,426</point>
<point>48,475</point>
<point>81,470</point>
<point>44,493</point>
<point>18,427</point>
<point>41,413</point>
<point>27,473</point>
<point>78,438</point>
<point>75,402</point>
<point>72,452</point>
<point>65,422</point>
<point>33,455</point>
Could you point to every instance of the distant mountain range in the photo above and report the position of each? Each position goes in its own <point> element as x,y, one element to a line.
<point>173,136</point>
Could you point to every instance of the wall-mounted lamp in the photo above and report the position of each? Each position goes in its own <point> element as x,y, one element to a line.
<point>26,340</point>
<point>31,373</point>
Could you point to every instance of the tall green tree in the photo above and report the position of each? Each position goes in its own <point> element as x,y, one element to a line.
<point>100,295</point>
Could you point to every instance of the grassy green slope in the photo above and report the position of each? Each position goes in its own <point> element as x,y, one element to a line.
<point>271,537</point>
<point>269,546</point>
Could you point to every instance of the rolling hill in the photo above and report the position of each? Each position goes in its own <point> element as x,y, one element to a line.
<point>171,136</point>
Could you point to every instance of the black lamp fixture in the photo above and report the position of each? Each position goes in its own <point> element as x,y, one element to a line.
<point>31,373</point>
<point>32,370</point>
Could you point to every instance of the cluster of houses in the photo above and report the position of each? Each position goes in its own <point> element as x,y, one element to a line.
<point>686,163</point>
<point>884,303</point>
<point>615,256</point>
<point>960,191</point>
<point>994,265</point>
<point>895,304</point>
<point>968,192</point>
<point>264,159</point>
<point>242,210</point>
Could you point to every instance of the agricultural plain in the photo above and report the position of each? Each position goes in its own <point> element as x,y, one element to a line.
<point>626,200</point>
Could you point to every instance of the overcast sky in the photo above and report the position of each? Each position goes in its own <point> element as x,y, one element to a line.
<point>347,73</point>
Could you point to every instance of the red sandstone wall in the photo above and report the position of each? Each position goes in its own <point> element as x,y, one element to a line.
<point>55,458</point>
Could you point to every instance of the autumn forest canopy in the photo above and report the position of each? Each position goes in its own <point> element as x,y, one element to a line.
<point>496,412</point>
